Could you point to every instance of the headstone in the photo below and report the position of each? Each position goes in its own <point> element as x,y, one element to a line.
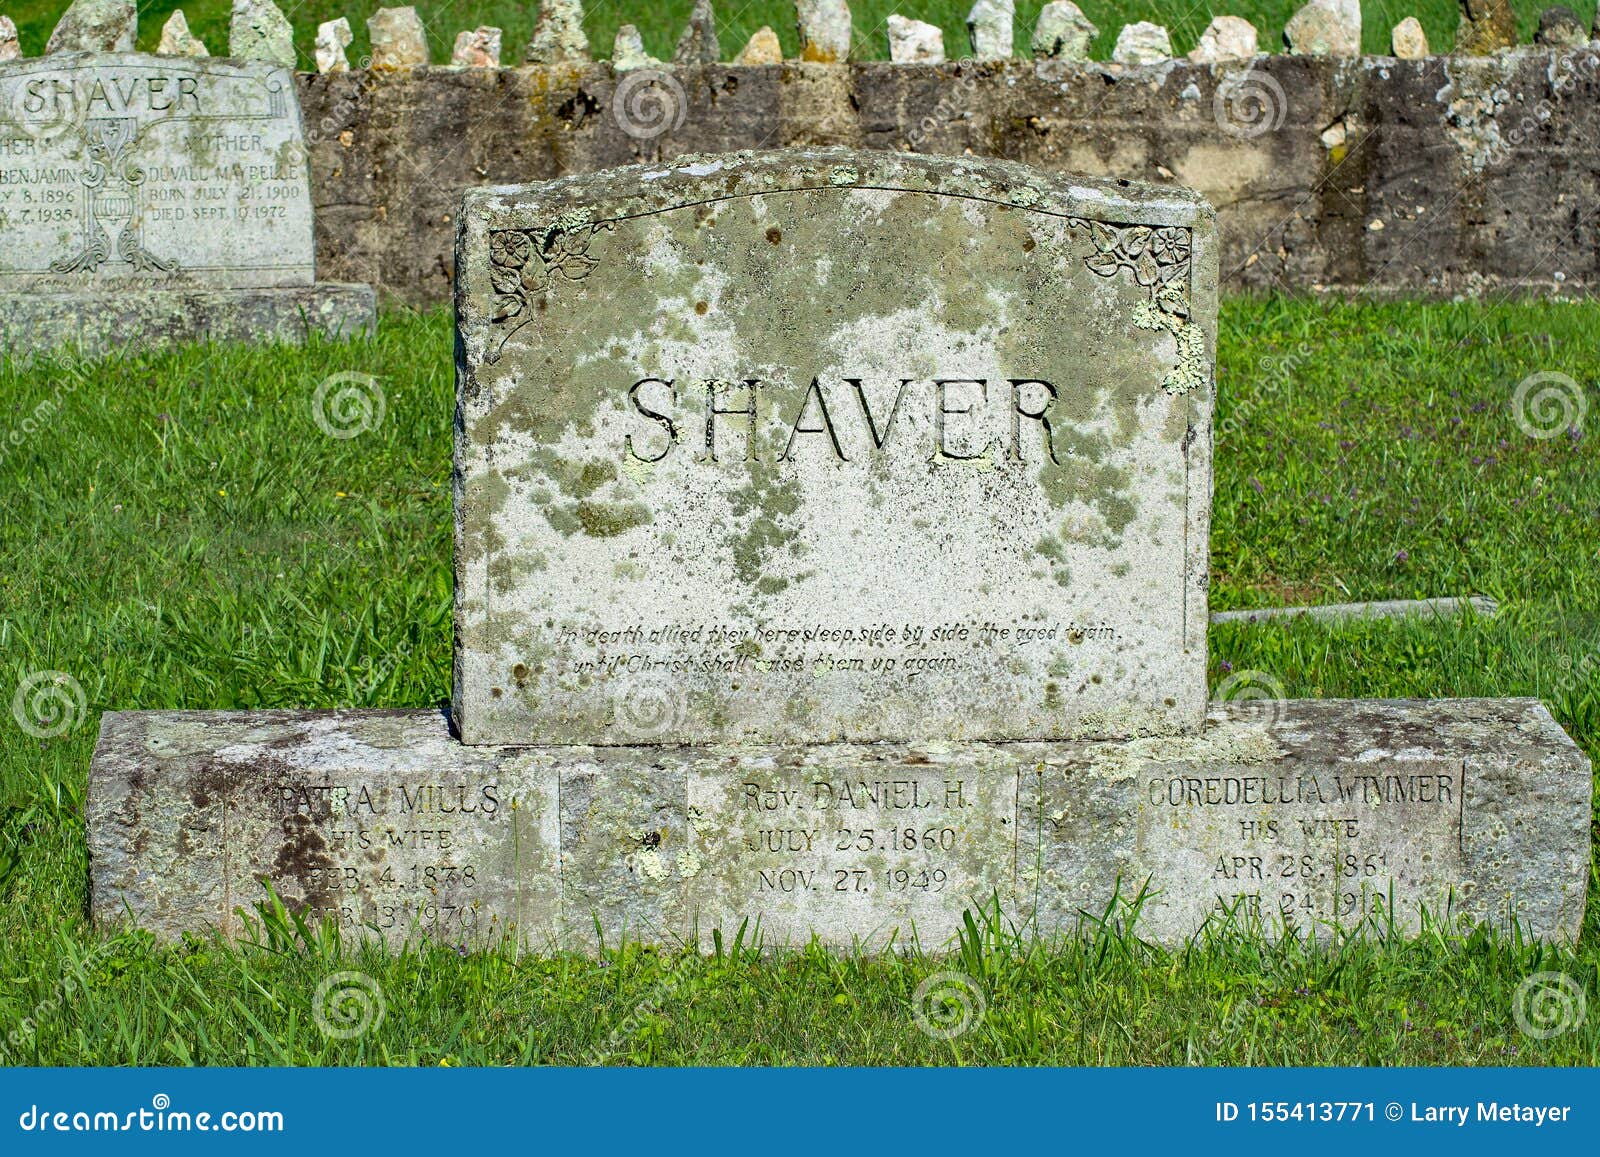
<point>479,48</point>
<point>95,26</point>
<point>10,47</point>
<point>177,40</point>
<point>1408,40</point>
<point>627,50</point>
<point>1559,27</point>
<point>727,426</point>
<point>333,37</point>
<point>1225,38</point>
<point>1296,815</point>
<point>258,30</point>
<point>1063,32</point>
<point>824,30</point>
<point>1142,43</point>
<point>763,47</point>
<point>1325,28</point>
<point>399,41</point>
<point>913,42</point>
<point>880,447</point>
<point>152,197</point>
<point>989,28</point>
<point>374,820</point>
<point>1485,26</point>
<point>558,36</point>
<point>698,44</point>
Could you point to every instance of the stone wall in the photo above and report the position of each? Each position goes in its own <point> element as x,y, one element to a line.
<point>1442,176</point>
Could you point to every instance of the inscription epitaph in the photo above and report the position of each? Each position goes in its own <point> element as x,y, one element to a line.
<point>1299,816</point>
<point>820,445</point>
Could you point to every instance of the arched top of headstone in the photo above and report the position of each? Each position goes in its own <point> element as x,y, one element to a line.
<point>819,444</point>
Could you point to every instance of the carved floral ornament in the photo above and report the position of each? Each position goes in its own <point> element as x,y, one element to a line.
<point>1158,257</point>
<point>524,262</point>
<point>527,262</point>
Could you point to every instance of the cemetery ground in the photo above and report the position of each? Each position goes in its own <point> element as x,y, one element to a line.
<point>189,529</point>
<point>660,22</point>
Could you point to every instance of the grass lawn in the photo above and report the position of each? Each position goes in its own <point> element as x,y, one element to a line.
<point>660,22</point>
<point>175,531</point>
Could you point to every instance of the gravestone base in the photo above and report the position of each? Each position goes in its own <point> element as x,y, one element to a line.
<point>1280,815</point>
<point>97,324</point>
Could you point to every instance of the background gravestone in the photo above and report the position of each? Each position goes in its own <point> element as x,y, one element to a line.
<point>145,198</point>
<point>813,446</point>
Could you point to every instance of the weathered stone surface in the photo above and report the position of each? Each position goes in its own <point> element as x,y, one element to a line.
<point>95,26</point>
<point>477,48</point>
<point>989,29</point>
<point>1300,813</point>
<point>827,571</point>
<point>1325,28</point>
<point>1142,43</point>
<point>1310,811</point>
<point>10,47</point>
<point>1486,26</point>
<point>258,30</point>
<point>1495,136</point>
<point>1063,32</point>
<point>399,40</point>
<point>1559,27</point>
<point>558,36</point>
<point>1226,38</point>
<point>824,30</point>
<point>763,47</point>
<point>1408,40</point>
<point>120,317</point>
<point>913,42</point>
<point>375,820</point>
<point>198,179</point>
<point>628,51</point>
<point>177,40</point>
<point>333,37</point>
<point>698,44</point>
